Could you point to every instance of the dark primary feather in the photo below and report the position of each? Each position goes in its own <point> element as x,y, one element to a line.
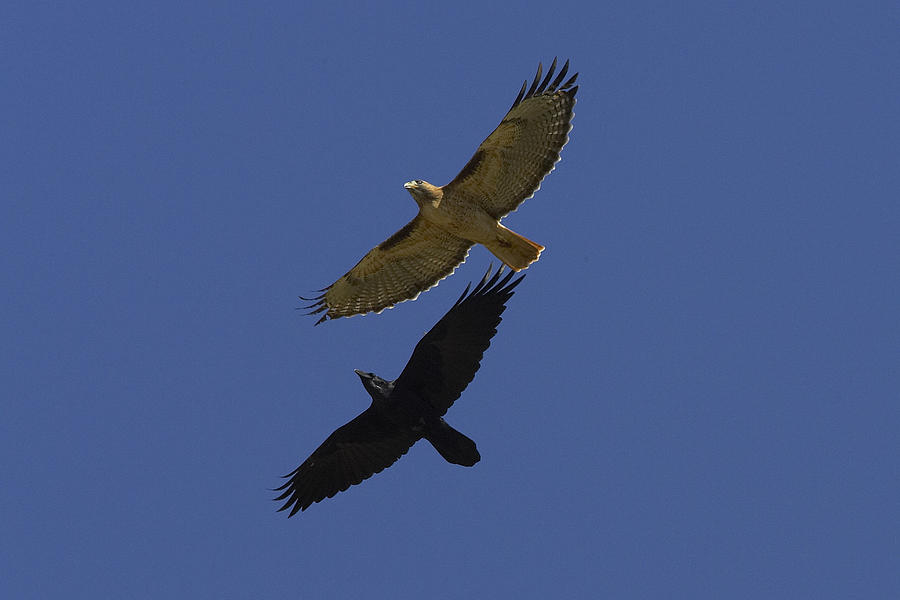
<point>402,412</point>
<point>537,90</point>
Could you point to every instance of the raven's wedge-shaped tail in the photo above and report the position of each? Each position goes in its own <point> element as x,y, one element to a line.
<point>455,447</point>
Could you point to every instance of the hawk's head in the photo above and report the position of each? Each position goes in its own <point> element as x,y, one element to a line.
<point>422,191</point>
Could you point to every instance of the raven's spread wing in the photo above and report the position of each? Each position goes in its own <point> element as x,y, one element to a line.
<point>447,358</point>
<point>406,264</point>
<point>364,446</point>
<point>510,164</point>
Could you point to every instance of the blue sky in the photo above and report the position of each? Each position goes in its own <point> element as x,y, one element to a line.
<point>694,393</point>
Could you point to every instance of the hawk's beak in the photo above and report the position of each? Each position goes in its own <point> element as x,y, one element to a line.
<point>409,185</point>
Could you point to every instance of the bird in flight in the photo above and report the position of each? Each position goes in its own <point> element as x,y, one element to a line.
<point>506,169</point>
<point>412,406</point>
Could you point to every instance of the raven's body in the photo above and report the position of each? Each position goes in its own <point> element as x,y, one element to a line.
<point>411,407</point>
<point>410,413</point>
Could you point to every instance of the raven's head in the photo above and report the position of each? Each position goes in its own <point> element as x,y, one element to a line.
<point>377,387</point>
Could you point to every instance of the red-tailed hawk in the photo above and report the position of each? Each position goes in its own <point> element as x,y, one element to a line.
<point>506,169</point>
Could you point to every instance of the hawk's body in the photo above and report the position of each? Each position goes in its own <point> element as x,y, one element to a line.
<point>506,169</point>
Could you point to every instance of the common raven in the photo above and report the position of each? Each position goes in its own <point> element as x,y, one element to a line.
<point>411,407</point>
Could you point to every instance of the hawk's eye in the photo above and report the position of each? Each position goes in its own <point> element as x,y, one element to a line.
<point>419,182</point>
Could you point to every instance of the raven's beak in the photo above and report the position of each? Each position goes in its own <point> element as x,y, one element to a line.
<point>362,375</point>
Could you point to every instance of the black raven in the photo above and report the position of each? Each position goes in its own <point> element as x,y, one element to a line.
<point>411,407</point>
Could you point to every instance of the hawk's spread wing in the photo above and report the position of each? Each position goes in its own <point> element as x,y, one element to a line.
<point>399,268</point>
<point>509,165</point>
<point>364,446</point>
<point>445,361</point>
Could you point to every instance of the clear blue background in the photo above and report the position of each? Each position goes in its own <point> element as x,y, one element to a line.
<point>694,393</point>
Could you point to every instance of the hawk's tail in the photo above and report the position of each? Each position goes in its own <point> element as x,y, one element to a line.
<point>451,444</point>
<point>516,251</point>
